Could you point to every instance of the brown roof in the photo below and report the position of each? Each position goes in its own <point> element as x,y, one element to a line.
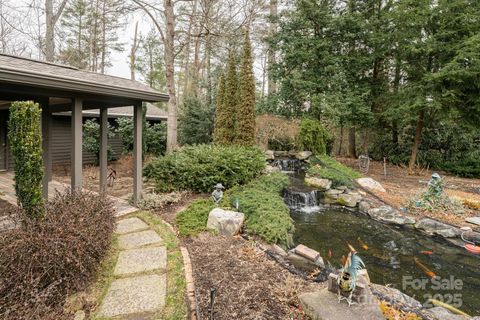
<point>25,71</point>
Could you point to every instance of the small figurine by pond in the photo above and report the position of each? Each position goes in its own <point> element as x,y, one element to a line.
<point>217,194</point>
<point>347,279</point>
<point>435,185</point>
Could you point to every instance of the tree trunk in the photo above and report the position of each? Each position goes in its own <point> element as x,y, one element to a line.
<point>49,31</point>
<point>133,52</point>
<point>271,53</point>
<point>340,143</point>
<point>352,148</point>
<point>170,75</point>
<point>366,138</point>
<point>186,84</point>
<point>416,142</point>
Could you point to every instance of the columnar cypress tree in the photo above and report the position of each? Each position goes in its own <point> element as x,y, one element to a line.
<point>245,125</point>
<point>220,112</point>
<point>226,116</point>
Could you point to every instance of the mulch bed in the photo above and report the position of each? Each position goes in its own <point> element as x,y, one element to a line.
<point>6,208</point>
<point>248,284</point>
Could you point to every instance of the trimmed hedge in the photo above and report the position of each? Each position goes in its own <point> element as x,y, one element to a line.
<point>25,138</point>
<point>200,167</point>
<point>329,168</point>
<point>45,260</point>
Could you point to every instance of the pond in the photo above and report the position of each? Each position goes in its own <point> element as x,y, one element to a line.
<point>396,256</point>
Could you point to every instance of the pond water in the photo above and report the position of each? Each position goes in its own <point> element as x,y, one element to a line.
<point>392,254</point>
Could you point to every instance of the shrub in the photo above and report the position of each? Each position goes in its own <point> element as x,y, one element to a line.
<point>45,260</point>
<point>266,213</point>
<point>25,140</point>
<point>196,122</point>
<point>276,133</point>
<point>193,220</point>
<point>155,136</point>
<point>328,168</point>
<point>152,201</point>
<point>91,139</point>
<point>314,137</point>
<point>199,168</point>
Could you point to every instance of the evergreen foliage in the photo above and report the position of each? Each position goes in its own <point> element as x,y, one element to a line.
<point>196,122</point>
<point>245,124</point>
<point>91,139</point>
<point>155,136</point>
<point>200,167</point>
<point>314,137</point>
<point>220,114</point>
<point>227,112</point>
<point>25,139</point>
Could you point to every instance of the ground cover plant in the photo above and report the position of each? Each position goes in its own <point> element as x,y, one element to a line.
<point>45,260</point>
<point>193,220</point>
<point>328,168</point>
<point>198,168</point>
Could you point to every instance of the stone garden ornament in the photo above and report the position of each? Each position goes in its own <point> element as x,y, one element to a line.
<point>217,194</point>
<point>435,185</point>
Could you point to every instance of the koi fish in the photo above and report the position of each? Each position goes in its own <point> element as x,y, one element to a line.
<point>424,268</point>
<point>329,254</point>
<point>426,252</point>
<point>343,259</point>
<point>363,244</point>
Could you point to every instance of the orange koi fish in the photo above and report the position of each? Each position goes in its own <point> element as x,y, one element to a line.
<point>363,244</point>
<point>330,254</point>
<point>424,268</point>
<point>343,259</point>
<point>426,252</point>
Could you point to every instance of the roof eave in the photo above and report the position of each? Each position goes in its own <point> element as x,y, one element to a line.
<point>75,85</point>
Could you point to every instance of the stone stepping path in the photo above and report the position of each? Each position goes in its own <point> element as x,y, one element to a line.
<point>140,284</point>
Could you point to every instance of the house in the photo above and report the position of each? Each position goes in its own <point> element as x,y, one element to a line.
<point>67,95</point>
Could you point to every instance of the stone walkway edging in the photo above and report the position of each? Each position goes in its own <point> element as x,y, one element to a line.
<point>192,301</point>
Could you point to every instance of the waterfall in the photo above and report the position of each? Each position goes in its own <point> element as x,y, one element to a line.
<point>287,165</point>
<point>306,201</point>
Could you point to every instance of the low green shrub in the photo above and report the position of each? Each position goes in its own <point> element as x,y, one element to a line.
<point>199,168</point>
<point>266,213</point>
<point>314,137</point>
<point>328,168</point>
<point>469,166</point>
<point>193,220</point>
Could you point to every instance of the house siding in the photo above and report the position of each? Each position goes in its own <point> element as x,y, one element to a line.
<point>61,144</point>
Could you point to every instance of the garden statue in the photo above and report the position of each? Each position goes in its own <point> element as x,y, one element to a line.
<point>347,279</point>
<point>435,185</point>
<point>217,194</point>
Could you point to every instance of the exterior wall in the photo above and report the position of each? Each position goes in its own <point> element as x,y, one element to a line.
<point>61,143</point>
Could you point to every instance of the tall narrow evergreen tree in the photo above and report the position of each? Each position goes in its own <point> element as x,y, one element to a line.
<point>220,111</point>
<point>226,116</point>
<point>245,125</point>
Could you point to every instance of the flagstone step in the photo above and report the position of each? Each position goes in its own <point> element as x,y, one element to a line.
<point>141,260</point>
<point>139,239</point>
<point>129,225</point>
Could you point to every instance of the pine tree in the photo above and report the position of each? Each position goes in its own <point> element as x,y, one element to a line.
<point>225,115</point>
<point>245,125</point>
<point>220,111</point>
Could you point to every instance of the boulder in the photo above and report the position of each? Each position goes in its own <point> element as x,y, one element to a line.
<point>348,200</point>
<point>318,183</point>
<point>441,313</point>
<point>270,155</point>
<point>303,155</point>
<point>371,184</point>
<point>364,206</point>
<point>270,169</point>
<point>433,227</point>
<point>323,305</point>
<point>390,215</point>
<point>473,220</point>
<point>396,296</point>
<point>227,223</point>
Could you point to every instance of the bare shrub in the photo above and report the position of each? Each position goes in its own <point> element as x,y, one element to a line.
<point>44,261</point>
<point>275,128</point>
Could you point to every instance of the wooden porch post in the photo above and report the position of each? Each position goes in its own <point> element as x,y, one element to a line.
<point>103,148</point>
<point>46,146</point>
<point>77,141</point>
<point>137,152</point>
